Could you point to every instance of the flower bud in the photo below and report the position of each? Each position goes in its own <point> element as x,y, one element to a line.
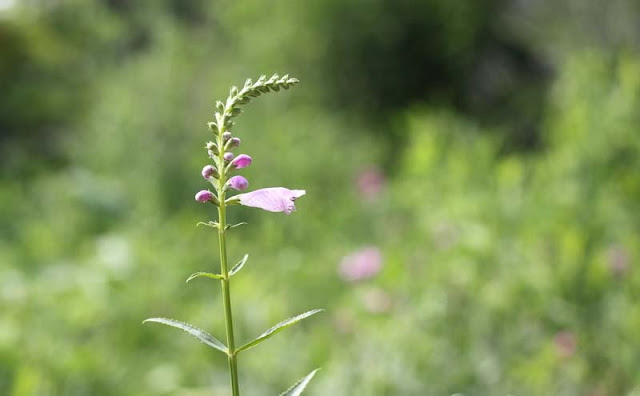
<point>226,136</point>
<point>228,156</point>
<point>204,196</point>
<point>238,183</point>
<point>209,171</point>
<point>234,142</point>
<point>242,161</point>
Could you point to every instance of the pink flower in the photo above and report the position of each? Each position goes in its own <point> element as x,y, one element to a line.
<point>376,300</point>
<point>274,199</point>
<point>242,161</point>
<point>204,196</point>
<point>565,343</point>
<point>234,142</point>
<point>228,156</point>
<point>370,183</point>
<point>362,264</point>
<point>209,171</point>
<point>238,183</point>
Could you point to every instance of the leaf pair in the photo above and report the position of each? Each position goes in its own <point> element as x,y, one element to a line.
<point>213,342</point>
<point>233,271</point>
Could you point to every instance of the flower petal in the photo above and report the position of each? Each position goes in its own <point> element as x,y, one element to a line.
<point>273,199</point>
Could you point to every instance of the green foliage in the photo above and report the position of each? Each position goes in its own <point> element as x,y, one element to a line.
<point>502,273</point>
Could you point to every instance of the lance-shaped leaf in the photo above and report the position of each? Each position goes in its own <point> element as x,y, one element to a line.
<point>212,224</point>
<point>230,226</point>
<point>238,266</point>
<point>278,328</point>
<point>204,274</point>
<point>298,387</point>
<point>201,335</point>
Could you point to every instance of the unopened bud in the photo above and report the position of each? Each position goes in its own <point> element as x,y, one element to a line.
<point>228,156</point>
<point>209,171</point>
<point>238,183</point>
<point>204,196</point>
<point>242,161</point>
<point>226,136</point>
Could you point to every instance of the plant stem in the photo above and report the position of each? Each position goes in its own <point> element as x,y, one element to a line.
<point>226,293</point>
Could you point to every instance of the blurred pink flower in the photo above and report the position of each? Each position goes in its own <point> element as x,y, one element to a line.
<point>370,183</point>
<point>274,199</point>
<point>362,264</point>
<point>376,300</point>
<point>565,344</point>
<point>618,260</point>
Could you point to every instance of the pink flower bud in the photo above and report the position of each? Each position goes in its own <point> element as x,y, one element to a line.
<point>204,196</point>
<point>234,142</point>
<point>228,156</point>
<point>209,171</point>
<point>226,136</point>
<point>242,161</point>
<point>238,183</point>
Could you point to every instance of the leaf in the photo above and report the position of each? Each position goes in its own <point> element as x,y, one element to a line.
<point>234,225</point>
<point>238,266</point>
<point>201,335</point>
<point>204,274</point>
<point>278,328</point>
<point>299,386</point>
<point>212,224</point>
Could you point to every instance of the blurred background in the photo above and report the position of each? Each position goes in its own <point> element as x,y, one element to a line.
<point>472,217</point>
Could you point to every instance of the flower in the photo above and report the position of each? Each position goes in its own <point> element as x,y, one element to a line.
<point>242,161</point>
<point>273,199</point>
<point>234,142</point>
<point>370,183</point>
<point>209,171</point>
<point>204,196</point>
<point>228,156</point>
<point>565,344</point>
<point>362,264</point>
<point>238,183</point>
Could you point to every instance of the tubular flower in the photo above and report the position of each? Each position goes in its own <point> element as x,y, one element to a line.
<point>209,171</point>
<point>204,196</point>
<point>238,183</point>
<point>273,199</point>
<point>242,161</point>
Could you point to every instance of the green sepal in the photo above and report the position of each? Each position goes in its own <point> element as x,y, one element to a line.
<point>238,266</point>
<point>299,386</point>
<point>201,335</point>
<point>212,224</point>
<point>204,274</point>
<point>278,328</point>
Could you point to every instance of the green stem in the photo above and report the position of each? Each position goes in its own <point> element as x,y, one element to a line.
<point>226,293</point>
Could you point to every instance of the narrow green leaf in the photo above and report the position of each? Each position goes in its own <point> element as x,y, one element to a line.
<point>212,224</point>
<point>298,387</point>
<point>230,226</point>
<point>238,266</point>
<point>278,328</point>
<point>204,274</point>
<point>201,335</point>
